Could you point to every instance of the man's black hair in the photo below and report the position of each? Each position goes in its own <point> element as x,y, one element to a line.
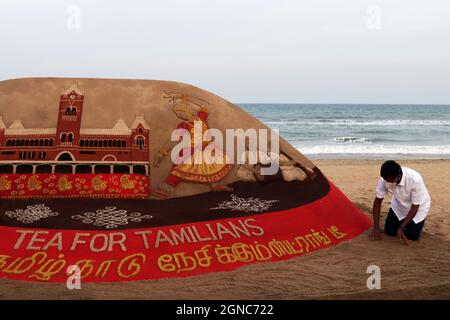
<point>390,169</point>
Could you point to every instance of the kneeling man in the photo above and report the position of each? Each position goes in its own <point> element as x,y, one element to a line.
<point>410,202</point>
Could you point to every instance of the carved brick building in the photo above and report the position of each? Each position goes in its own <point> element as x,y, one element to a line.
<point>68,148</point>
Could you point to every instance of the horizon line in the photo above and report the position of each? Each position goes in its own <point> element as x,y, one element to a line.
<point>352,103</point>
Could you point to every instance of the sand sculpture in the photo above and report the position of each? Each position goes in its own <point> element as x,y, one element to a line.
<point>113,177</point>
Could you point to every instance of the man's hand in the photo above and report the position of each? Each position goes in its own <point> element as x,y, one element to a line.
<point>376,233</point>
<point>402,237</point>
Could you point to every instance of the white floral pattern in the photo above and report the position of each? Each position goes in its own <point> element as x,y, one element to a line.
<point>110,217</point>
<point>247,205</point>
<point>32,213</point>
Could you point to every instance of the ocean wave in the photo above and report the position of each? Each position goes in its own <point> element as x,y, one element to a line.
<point>353,122</point>
<point>350,140</point>
<point>374,149</point>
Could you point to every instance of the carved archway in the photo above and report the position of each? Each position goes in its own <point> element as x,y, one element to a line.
<point>109,157</point>
<point>65,156</point>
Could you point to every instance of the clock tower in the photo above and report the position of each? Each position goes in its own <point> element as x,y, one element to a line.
<point>69,117</point>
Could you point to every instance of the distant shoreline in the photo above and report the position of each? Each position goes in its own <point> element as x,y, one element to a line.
<point>360,131</point>
<point>383,156</point>
<point>340,104</point>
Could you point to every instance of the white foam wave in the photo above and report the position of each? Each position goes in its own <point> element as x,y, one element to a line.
<point>359,149</point>
<point>350,140</point>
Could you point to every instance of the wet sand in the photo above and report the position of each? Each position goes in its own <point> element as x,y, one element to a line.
<point>418,271</point>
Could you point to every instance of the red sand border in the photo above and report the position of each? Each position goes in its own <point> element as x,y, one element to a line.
<point>180,250</point>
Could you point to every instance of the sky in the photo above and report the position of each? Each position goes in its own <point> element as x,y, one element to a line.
<point>247,51</point>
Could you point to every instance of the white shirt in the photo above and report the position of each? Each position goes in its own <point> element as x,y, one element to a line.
<point>411,190</point>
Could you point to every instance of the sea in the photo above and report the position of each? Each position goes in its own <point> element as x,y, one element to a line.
<point>353,131</point>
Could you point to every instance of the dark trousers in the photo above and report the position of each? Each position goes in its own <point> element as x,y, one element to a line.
<point>412,230</point>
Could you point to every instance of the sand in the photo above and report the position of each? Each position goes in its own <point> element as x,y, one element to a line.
<point>418,271</point>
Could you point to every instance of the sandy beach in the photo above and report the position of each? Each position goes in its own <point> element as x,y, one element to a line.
<point>418,271</point>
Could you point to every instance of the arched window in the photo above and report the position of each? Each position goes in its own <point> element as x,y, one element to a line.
<point>139,169</point>
<point>51,142</point>
<point>114,143</point>
<point>6,168</point>
<point>95,143</point>
<point>83,169</point>
<point>74,111</point>
<point>105,143</point>
<point>70,137</point>
<point>8,143</point>
<point>67,113</point>
<point>45,168</point>
<point>121,169</point>
<point>102,169</point>
<point>66,169</point>
<point>65,157</point>
<point>46,142</point>
<point>22,142</point>
<point>124,143</point>
<point>110,143</point>
<point>41,142</point>
<point>91,143</point>
<point>81,143</point>
<point>63,137</point>
<point>24,168</point>
<point>140,142</point>
<point>100,143</point>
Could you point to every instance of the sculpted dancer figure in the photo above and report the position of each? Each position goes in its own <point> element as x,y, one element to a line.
<point>196,165</point>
